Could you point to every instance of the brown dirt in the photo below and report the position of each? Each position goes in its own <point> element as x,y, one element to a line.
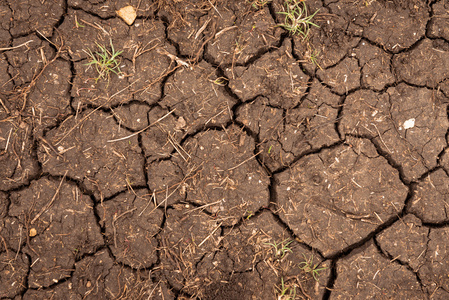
<point>228,159</point>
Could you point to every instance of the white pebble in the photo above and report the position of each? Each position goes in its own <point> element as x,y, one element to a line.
<point>410,123</point>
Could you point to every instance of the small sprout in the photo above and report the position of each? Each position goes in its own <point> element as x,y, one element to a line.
<point>313,56</point>
<point>221,81</point>
<point>286,292</point>
<point>297,20</point>
<point>308,267</point>
<point>105,61</point>
<point>77,24</point>
<point>282,248</point>
<point>269,149</point>
<point>239,47</point>
<point>259,4</point>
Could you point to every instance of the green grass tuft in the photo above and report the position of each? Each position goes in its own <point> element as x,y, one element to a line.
<point>105,61</point>
<point>297,21</point>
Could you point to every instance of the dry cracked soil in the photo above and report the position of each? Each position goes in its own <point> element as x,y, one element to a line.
<point>222,156</point>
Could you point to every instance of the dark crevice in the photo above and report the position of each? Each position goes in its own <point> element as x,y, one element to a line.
<point>272,11</point>
<point>71,85</point>
<point>254,58</point>
<point>229,92</point>
<point>202,130</point>
<point>409,84</point>
<point>166,23</point>
<point>114,195</point>
<point>307,153</point>
<point>181,295</point>
<point>91,13</point>
<point>91,254</point>
<point>341,104</point>
<point>26,282</point>
<point>300,62</point>
<point>346,251</point>
<point>435,225</point>
<point>145,162</point>
<point>410,48</point>
<point>273,194</point>
<point>162,84</point>
<point>263,51</point>
<point>392,259</point>
<point>407,202</point>
<point>331,280</point>
<point>387,157</point>
<point>330,89</point>
<point>62,18</point>
<point>295,237</point>
<point>335,64</point>
<point>69,277</point>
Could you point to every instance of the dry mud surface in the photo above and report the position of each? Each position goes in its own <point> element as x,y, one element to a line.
<point>228,159</point>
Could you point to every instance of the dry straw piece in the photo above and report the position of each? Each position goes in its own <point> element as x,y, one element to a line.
<point>128,14</point>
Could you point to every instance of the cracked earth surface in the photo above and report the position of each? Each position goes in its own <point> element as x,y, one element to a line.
<point>228,154</point>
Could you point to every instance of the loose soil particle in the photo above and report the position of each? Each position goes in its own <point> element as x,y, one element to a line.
<point>108,9</point>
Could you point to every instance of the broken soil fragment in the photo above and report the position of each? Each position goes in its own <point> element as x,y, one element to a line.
<point>330,203</point>
<point>368,274</point>
<point>230,183</point>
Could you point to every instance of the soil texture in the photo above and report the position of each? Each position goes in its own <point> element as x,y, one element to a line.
<point>207,152</point>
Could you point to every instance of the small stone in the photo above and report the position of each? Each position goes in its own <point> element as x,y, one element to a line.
<point>410,123</point>
<point>33,232</point>
<point>128,14</point>
<point>180,124</point>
